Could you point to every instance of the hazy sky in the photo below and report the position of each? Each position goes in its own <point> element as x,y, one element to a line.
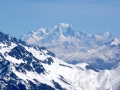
<point>92,16</point>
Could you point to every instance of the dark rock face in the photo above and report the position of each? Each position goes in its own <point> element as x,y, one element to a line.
<point>40,86</point>
<point>58,86</point>
<point>19,52</point>
<point>49,52</point>
<point>7,39</point>
<point>92,68</point>
<point>48,61</point>
<point>8,78</point>
<point>65,66</point>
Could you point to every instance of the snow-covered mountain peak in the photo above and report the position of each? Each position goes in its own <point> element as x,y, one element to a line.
<point>115,42</point>
<point>41,32</point>
<point>107,34</point>
<point>30,67</point>
<point>64,25</point>
<point>83,33</point>
<point>7,39</point>
<point>30,32</point>
<point>77,46</point>
<point>62,28</point>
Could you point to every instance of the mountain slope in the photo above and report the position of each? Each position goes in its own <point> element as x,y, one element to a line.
<point>30,67</point>
<point>77,46</point>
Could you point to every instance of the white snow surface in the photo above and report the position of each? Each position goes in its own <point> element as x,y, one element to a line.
<point>71,77</point>
<point>70,45</point>
<point>115,42</point>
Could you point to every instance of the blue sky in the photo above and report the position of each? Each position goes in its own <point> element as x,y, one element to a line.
<point>92,16</point>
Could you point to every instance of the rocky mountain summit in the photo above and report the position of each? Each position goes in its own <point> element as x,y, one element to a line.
<point>100,50</point>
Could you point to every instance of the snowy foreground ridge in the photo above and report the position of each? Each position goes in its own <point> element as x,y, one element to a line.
<point>25,67</point>
<point>99,50</point>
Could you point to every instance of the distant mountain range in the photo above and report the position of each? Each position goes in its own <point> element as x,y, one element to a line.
<point>30,67</point>
<point>100,50</point>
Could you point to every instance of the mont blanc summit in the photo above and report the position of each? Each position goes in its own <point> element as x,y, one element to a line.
<point>77,46</point>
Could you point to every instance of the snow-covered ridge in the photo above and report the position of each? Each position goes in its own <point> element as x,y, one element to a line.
<point>30,67</point>
<point>115,42</point>
<point>64,29</point>
<point>77,46</point>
